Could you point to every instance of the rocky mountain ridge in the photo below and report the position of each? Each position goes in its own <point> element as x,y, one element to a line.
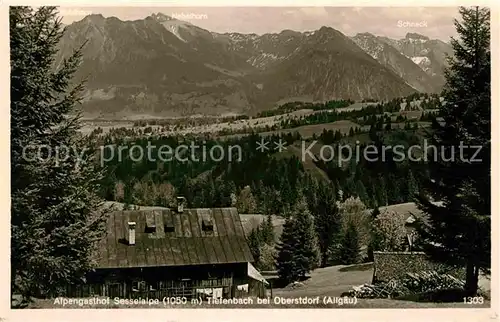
<point>161,66</point>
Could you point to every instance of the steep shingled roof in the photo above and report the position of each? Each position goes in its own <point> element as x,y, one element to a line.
<point>178,238</point>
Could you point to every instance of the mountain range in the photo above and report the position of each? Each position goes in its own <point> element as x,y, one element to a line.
<point>161,66</point>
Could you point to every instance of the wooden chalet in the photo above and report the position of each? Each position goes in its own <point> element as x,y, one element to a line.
<point>189,253</point>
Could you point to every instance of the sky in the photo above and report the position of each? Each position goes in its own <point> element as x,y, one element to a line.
<point>393,22</point>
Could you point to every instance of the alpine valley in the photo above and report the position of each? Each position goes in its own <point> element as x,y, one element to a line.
<point>163,67</point>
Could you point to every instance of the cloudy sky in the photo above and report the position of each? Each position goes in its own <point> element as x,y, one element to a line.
<point>394,22</point>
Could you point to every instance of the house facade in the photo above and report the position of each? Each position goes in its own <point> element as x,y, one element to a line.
<point>191,253</point>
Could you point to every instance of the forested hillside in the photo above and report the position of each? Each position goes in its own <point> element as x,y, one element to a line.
<point>269,181</point>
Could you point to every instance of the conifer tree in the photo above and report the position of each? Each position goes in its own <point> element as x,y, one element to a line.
<point>267,230</point>
<point>254,243</point>
<point>374,237</point>
<point>459,231</point>
<point>285,260</point>
<point>55,212</point>
<point>361,191</point>
<point>327,221</point>
<point>308,254</point>
<point>349,246</point>
<point>412,186</point>
<point>382,195</point>
<point>388,125</point>
<point>298,251</point>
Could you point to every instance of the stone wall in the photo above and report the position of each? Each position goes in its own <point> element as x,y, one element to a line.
<point>389,265</point>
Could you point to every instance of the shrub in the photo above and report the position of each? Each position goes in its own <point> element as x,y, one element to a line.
<point>424,285</point>
<point>430,281</point>
<point>353,211</point>
<point>389,232</point>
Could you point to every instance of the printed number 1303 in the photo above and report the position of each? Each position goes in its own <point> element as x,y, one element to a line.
<point>474,300</point>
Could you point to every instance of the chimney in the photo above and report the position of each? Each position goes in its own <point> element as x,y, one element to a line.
<point>180,204</point>
<point>131,233</point>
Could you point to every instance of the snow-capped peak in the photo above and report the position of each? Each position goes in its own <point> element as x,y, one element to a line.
<point>161,17</point>
<point>173,25</point>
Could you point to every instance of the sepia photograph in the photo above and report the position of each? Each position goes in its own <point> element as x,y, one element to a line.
<point>250,157</point>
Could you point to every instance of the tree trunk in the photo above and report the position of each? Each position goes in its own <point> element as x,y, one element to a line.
<point>471,279</point>
<point>324,258</point>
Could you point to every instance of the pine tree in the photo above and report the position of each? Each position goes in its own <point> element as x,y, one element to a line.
<point>349,246</point>
<point>285,259</point>
<point>460,231</point>
<point>394,191</point>
<point>388,125</point>
<point>412,186</point>
<point>308,254</point>
<point>380,123</point>
<point>255,243</point>
<point>373,132</point>
<point>327,220</point>
<point>382,195</point>
<point>312,192</point>
<point>374,237</point>
<point>267,230</point>
<point>361,191</point>
<point>298,251</point>
<point>55,211</point>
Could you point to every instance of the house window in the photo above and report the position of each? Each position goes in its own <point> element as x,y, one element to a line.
<point>207,225</point>
<point>169,228</point>
<point>139,286</point>
<point>150,223</point>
